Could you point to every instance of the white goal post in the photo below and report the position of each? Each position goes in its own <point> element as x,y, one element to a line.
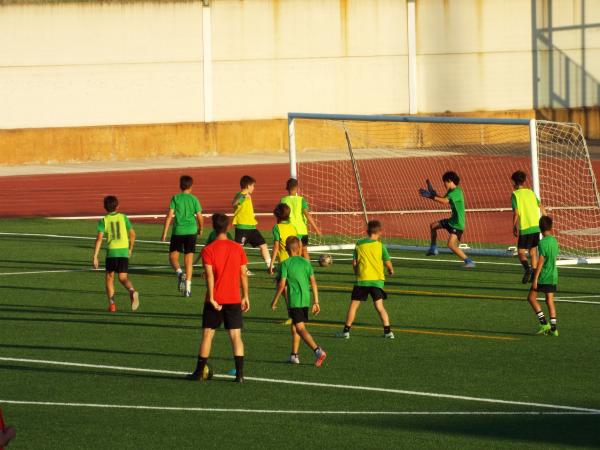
<point>355,168</point>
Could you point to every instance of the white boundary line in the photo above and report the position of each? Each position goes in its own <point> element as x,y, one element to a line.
<point>320,412</point>
<point>312,384</point>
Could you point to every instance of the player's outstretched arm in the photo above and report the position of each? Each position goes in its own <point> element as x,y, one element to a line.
<point>390,267</point>
<point>245,295</point>
<point>316,308</point>
<point>537,272</point>
<point>168,219</point>
<point>278,292</point>
<point>273,256</point>
<point>131,241</point>
<point>210,284</point>
<point>312,222</point>
<point>97,246</point>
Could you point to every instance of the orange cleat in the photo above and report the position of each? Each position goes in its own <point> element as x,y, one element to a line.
<point>112,307</point>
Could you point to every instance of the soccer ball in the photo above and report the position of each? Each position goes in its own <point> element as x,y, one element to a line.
<point>207,373</point>
<point>325,260</point>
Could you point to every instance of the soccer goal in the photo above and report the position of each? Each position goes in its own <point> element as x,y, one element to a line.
<point>355,168</point>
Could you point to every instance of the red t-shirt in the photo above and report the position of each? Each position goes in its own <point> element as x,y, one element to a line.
<point>226,257</point>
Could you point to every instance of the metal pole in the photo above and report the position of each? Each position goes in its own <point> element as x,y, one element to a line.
<point>535,171</point>
<point>292,147</point>
<point>357,177</point>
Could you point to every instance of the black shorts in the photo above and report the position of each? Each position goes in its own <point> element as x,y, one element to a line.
<point>298,315</point>
<point>252,237</point>
<point>119,265</point>
<point>183,243</point>
<point>450,229</point>
<point>362,293</point>
<point>304,240</point>
<point>231,315</point>
<point>545,288</point>
<point>528,241</point>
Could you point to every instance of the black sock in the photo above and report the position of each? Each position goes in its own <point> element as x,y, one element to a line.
<point>200,365</point>
<point>347,328</point>
<point>387,329</point>
<point>239,366</point>
<point>553,323</point>
<point>541,317</point>
<point>525,264</point>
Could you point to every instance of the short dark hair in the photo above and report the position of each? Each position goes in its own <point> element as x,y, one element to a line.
<point>246,181</point>
<point>545,223</point>
<point>374,226</point>
<point>291,184</point>
<point>282,212</point>
<point>292,243</point>
<point>185,182</point>
<point>220,223</point>
<point>518,177</point>
<point>110,203</point>
<point>451,176</point>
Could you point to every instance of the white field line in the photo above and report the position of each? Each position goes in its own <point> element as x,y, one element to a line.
<point>313,384</point>
<point>298,412</point>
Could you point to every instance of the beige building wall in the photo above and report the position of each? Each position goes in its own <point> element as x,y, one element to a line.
<point>85,81</point>
<point>98,64</point>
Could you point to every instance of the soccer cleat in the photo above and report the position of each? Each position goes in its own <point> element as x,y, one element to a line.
<point>320,356</point>
<point>249,273</point>
<point>181,282</point>
<point>389,335</point>
<point>112,307</point>
<point>135,300</point>
<point>432,252</point>
<point>194,376</point>
<point>187,293</point>
<point>294,359</point>
<point>527,276</point>
<point>343,334</point>
<point>238,380</point>
<point>288,322</point>
<point>469,265</point>
<point>552,333</point>
<point>543,329</point>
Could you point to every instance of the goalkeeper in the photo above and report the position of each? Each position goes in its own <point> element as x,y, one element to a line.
<point>455,225</point>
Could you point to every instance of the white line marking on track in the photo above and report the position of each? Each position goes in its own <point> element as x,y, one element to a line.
<point>283,411</point>
<point>312,384</point>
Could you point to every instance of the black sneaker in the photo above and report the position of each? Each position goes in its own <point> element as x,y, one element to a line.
<point>181,282</point>
<point>194,376</point>
<point>527,276</point>
<point>238,380</point>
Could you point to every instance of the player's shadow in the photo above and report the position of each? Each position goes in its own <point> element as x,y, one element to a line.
<point>536,430</point>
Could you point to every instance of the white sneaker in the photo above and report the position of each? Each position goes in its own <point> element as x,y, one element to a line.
<point>294,359</point>
<point>389,335</point>
<point>248,273</point>
<point>187,293</point>
<point>343,334</point>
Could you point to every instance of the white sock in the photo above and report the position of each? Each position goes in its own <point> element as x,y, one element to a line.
<point>188,285</point>
<point>179,271</point>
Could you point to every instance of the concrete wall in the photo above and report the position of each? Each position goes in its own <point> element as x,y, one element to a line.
<point>107,80</point>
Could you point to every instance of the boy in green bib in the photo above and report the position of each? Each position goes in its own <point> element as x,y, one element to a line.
<point>299,214</point>
<point>120,238</point>
<point>297,274</point>
<point>545,278</point>
<point>526,208</point>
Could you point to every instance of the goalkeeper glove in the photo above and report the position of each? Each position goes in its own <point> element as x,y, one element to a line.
<point>430,188</point>
<point>426,193</point>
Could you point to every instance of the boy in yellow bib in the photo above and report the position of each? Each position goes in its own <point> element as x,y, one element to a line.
<point>120,238</point>
<point>244,220</point>
<point>299,214</point>
<point>370,255</point>
<point>526,215</point>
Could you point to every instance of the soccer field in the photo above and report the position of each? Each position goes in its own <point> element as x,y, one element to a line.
<point>465,370</point>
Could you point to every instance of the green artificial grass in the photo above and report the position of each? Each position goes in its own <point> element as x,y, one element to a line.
<point>458,332</point>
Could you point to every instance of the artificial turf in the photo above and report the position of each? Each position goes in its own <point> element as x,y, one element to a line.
<point>458,332</point>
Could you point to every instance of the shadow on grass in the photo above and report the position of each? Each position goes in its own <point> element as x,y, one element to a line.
<point>541,431</point>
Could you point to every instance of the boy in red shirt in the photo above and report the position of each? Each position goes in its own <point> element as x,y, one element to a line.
<point>225,265</point>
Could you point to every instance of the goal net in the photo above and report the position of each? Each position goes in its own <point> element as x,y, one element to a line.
<point>352,169</point>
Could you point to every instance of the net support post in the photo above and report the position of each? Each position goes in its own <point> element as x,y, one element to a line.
<point>535,171</point>
<point>292,147</point>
